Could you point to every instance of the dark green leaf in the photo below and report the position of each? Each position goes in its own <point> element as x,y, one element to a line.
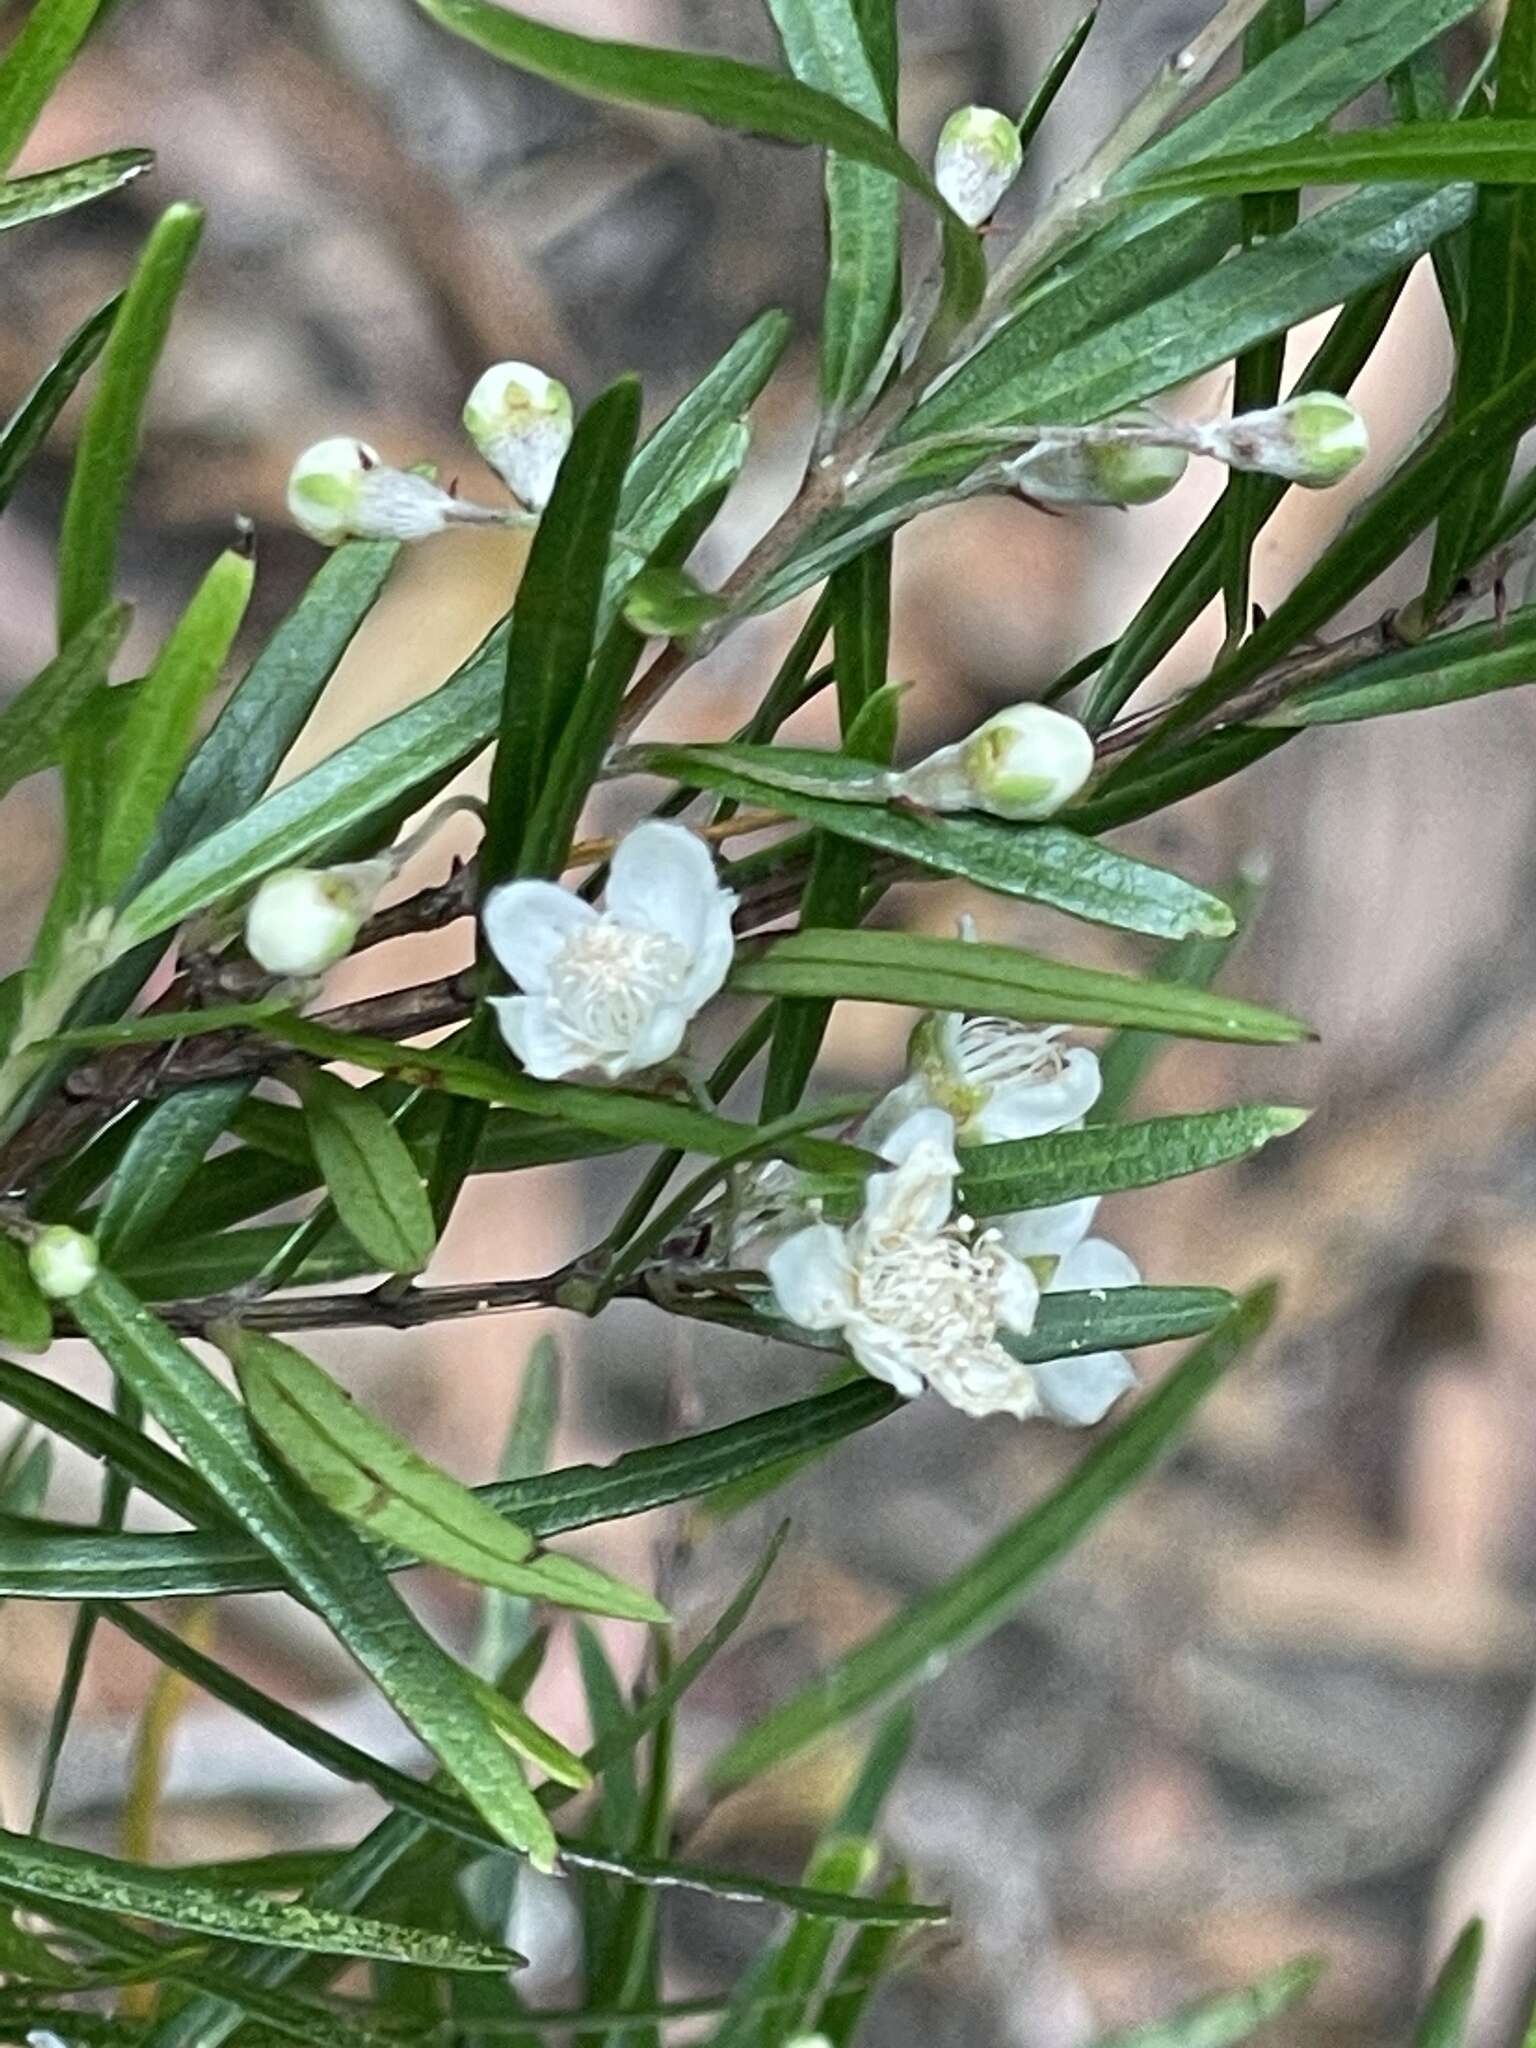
<point>27,428</point>
<point>109,440</point>
<point>1486,152</point>
<point>161,1157</point>
<point>1447,669</point>
<point>950,974</point>
<point>370,1174</point>
<point>1443,2023</point>
<point>920,1642</point>
<point>1055,76</point>
<point>33,723</point>
<point>46,193</point>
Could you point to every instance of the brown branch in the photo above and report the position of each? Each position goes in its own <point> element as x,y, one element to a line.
<point>375,1308</point>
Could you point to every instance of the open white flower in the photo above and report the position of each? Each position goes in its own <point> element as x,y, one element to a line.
<point>1055,1244</point>
<point>997,1079</point>
<point>612,991</point>
<point>920,1297</point>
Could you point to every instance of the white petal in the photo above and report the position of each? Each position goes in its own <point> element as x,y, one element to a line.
<point>715,951</point>
<point>885,1355</point>
<point>526,925</point>
<point>1096,1263</point>
<point>1032,1109</point>
<point>811,1278</point>
<point>1083,1390</point>
<point>1049,1233</point>
<point>914,1199</point>
<point>987,1385</point>
<point>656,1040</point>
<point>1018,1296</point>
<point>892,1111</point>
<point>536,1033</point>
<point>663,880</point>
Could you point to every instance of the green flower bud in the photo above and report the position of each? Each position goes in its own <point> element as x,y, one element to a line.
<point>340,490</point>
<point>521,421</point>
<point>1314,439</point>
<point>64,1262</point>
<point>1084,472</point>
<point>668,604</point>
<point>303,920</point>
<point>978,157</point>
<point>1023,763</point>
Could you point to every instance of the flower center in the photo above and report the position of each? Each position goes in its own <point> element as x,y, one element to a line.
<point>608,979</point>
<point>994,1051</point>
<point>939,1293</point>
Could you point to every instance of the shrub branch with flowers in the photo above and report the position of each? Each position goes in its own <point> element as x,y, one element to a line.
<point>188,1176</point>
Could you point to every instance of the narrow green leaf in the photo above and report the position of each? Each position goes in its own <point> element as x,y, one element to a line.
<point>317,1555</point>
<point>161,1157</point>
<point>825,48</point>
<point>921,1641</point>
<point>33,723</point>
<point>951,974</point>
<point>370,1174</point>
<point>47,1870</point>
<point>69,1565</point>
<point>109,440</point>
<point>28,426</point>
<point>36,60</point>
<point>269,706</point>
<point>45,193</point>
<point>1055,76</point>
<point>1230,2017</point>
<point>554,627</point>
<point>1102,1159</point>
<point>157,731</point>
<point>1496,151</point>
<point>727,93</point>
<point>1447,669</point>
<point>371,1477</point>
<point>1443,2023</point>
<point>870,1955</point>
<point>1042,863</point>
<point>25,1317</point>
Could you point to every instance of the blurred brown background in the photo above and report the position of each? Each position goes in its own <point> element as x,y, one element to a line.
<point>1279,1702</point>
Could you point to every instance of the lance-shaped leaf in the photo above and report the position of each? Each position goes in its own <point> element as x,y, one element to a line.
<point>1443,2023</point>
<point>1229,2017</point>
<point>109,440</point>
<point>46,193</point>
<point>33,723</point>
<point>162,715</point>
<point>160,1158</point>
<point>371,1477</point>
<point>1501,152</point>
<point>951,974</point>
<point>26,1320</point>
<point>918,1643</point>
<point>1447,669</point>
<point>1033,1173</point>
<point>1041,863</point>
<point>27,428</point>
<point>46,1870</point>
<point>369,1172</point>
<point>34,63</point>
<point>318,1556</point>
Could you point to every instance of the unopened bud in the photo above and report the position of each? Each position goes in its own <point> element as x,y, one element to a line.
<point>521,421</point>
<point>1085,471</point>
<point>1314,439</point>
<point>978,157</point>
<point>666,603</point>
<point>1023,763</point>
<point>340,490</point>
<point>64,1262</point>
<point>303,920</point>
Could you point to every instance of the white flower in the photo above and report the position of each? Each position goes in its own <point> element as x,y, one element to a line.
<point>303,920</point>
<point>921,1299</point>
<point>521,421</point>
<point>340,490</point>
<point>997,1079</point>
<point>1024,762</point>
<point>64,1262</point>
<point>612,990</point>
<point>1055,1245</point>
<point>978,157</point>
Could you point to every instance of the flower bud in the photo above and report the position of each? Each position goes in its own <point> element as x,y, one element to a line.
<point>978,157</point>
<point>1073,471</point>
<point>1314,439</point>
<point>303,920</point>
<point>1023,763</point>
<point>64,1262</point>
<point>340,490</point>
<point>521,422</point>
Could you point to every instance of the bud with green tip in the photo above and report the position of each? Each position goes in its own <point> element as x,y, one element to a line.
<point>1022,763</point>
<point>521,421</point>
<point>303,920</point>
<point>339,490</point>
<point>64,1262</point>
<point>1314,439</point>
<point>978,157</point>
<point>1092,470</point>
<point>668,604</point>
